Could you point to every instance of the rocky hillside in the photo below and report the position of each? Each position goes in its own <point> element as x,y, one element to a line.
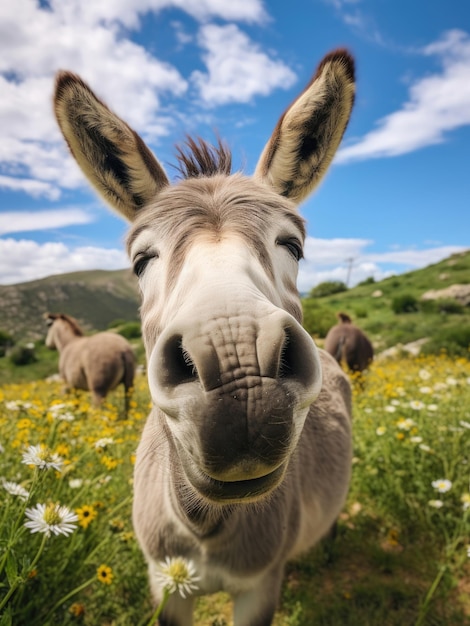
<point>95,298</point>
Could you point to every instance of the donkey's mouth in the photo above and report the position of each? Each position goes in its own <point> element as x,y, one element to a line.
<point>230,492</point>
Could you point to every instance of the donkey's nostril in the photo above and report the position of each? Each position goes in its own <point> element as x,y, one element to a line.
<point>177,365</point>
<point>287,361</point>
<point>298,357</point>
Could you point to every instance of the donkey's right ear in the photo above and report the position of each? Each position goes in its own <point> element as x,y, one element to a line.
<point>112,156</point>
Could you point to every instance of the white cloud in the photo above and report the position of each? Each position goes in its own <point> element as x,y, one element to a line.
<point>238,69</point>
<point>26,260</point>
<point>92,39</point>
<point>25,221</point>
<point>35,188</point>
<point>437,104</point>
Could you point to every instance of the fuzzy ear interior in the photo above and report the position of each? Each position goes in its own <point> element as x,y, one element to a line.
<point>112,156</point>
<point>308,134</point>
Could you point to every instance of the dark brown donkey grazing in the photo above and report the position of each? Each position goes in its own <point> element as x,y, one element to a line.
<point>245,458</point>
<point>349,344</point>
<point>98,363</point>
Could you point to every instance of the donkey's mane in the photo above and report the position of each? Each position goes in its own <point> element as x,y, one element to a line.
<point>71,321</point>
<point>197,158</point>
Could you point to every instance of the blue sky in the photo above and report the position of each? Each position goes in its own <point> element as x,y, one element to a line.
<point>396,198</point>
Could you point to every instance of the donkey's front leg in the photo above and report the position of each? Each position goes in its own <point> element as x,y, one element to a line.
<point>257,606</point>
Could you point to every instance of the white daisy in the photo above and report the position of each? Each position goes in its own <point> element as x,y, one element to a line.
<point>67,416</point>
<point>424,447</point>
<point>405,424</point>
<point>381,430</point>
<point>51,518</point>
<point>464,424</point>
<point>177,574</point>
<point>436,504</point>
<point>390,409</point>
<point>42,458</point>
<point>103,443</point>
<point>75,483</point>
<point>417,405</point>
<point>442,485</point>
<point>416,439</point>
<point>15,489</point>
<point>425,390</point>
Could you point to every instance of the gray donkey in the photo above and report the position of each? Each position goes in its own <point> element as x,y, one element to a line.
<point>349,344</point>
<point>245,459</point>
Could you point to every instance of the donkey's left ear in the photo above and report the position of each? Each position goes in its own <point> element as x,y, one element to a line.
<point>112,156</point>
<point>308,134</point>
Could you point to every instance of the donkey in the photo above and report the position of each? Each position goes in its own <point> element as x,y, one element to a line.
<point>349,344</point>
<point>98,363</point>
<point>244,461</point>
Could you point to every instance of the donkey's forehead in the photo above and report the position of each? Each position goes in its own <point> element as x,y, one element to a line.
<point>217,204</point>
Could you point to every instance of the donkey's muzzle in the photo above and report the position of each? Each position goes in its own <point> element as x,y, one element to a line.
<point>236,391</point>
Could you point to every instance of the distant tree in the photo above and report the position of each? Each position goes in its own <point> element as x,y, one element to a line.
<point>328,288</point>
<point>370,280</point>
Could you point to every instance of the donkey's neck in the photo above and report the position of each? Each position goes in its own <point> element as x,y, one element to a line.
<point>64,335</point>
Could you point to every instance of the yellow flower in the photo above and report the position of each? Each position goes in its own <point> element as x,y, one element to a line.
<point>109,462</point>
<point>400,436</point>
<point>86,514</point>
<point>105,574</point>
<point>465,499</point>
<point>77,609</point>
<point>62,449</point>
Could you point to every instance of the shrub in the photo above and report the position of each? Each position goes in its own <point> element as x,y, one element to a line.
<point>361,312</point>
<point>449,305</point>
<point>406,303</point>
<point>23,355</point>
<point>328,288</point>
<point>130,330</point>
<point>455,341</point>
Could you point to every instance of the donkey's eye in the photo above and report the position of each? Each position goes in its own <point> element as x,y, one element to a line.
<point>293,246</point>
<point>140,263</point>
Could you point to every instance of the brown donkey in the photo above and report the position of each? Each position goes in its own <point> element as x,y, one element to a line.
<point>99,362</point>
<point>349,344</point>
<point>245,458</point>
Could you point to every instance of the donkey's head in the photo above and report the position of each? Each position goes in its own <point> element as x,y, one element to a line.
<point>230,366</point>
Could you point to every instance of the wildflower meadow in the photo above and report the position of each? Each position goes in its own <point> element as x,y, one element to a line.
<point>401,555</point>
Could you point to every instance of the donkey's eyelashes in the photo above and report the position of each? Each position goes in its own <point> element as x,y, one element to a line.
<point>141,261</point>
<point>293,246</point>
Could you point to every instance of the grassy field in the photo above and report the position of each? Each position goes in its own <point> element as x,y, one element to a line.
<point>401,557</point>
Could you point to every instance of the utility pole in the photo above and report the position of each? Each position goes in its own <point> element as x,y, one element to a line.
<point>350,262</point>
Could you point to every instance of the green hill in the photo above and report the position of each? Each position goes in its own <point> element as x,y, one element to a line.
<point>392,311</point>
<point>94,298</point>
